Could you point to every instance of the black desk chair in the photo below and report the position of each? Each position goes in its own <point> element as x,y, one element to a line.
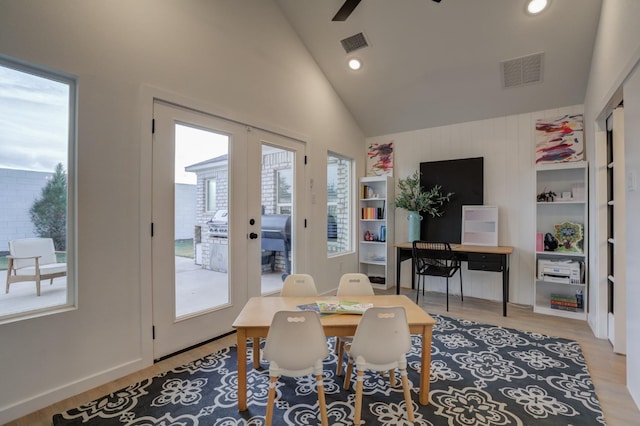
<point>436,260</point>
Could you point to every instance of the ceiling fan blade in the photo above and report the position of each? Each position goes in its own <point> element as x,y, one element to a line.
<point>346,10</point>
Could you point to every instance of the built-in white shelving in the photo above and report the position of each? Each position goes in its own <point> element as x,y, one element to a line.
<point>561,282</point>
<point>375,230</point>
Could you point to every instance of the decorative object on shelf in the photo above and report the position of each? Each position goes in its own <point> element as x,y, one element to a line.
<point>480,225</point>
<point>569,235</point>
<point>411,197</point>
<point>566,195</point>
<point>380,159</point>
<point>550,242</point>
<point>539,241</point>
<point>559,139</point>
<point>579,299</point>
<point>414,226</point>
<point>546,196</point>
<point>383,233</point>
<point>368,236</point>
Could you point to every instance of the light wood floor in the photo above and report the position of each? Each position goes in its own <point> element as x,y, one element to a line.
<point>607,369</point>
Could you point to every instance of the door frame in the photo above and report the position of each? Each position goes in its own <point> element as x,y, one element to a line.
<point>147,96</point>
<point>174,334</point>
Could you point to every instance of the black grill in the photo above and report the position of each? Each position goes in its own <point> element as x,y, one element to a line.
<point>276,236</point>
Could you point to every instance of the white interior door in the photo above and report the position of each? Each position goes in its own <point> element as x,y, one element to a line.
<point>200,242</point>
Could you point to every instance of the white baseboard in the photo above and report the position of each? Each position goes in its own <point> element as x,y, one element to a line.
<point>51,396</point>
<point>611,328</point>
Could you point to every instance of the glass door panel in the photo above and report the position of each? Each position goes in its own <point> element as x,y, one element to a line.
<point>201,220</point>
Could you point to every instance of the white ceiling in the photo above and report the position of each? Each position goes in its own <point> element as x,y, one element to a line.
<point>430,64</point>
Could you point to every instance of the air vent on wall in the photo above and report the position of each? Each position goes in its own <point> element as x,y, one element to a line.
<point>521,71</point>
<point>354,42</point>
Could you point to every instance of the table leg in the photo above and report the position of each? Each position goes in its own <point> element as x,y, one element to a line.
<point>398,262</point>
<point>505,283</point>
<point>256,353</point>
<point>242,369</point>
<point>425,366</point>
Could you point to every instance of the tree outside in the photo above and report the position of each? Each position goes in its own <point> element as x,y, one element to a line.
<point>49,212</point>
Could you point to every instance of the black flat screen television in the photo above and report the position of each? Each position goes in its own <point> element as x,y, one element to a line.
<point>465,178</point>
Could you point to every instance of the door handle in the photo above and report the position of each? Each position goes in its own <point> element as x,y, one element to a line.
<point>253,235</point>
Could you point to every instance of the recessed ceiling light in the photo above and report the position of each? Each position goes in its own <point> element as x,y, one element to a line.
<point>536,6</point>
<point>355,64</point>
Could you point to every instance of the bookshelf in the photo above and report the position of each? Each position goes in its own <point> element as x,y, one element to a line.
<point>375,230</point>
<point>561,283</point>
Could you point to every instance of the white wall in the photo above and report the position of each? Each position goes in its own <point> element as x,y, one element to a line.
<point>241,57</point>
<point>508,147</point>
<point>632,165</point>
<point>19,189</point>
<point>616,53</point>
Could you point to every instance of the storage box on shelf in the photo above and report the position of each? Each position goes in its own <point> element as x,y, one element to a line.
<point>561,283</point>
<point>375,230</point>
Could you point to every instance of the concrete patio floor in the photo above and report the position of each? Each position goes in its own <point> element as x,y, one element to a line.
<point>196,289</point>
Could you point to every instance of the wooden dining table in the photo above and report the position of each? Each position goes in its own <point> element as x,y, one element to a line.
<point>255,319</point>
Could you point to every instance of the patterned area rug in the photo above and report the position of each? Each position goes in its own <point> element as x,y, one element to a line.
<point>480,375</point>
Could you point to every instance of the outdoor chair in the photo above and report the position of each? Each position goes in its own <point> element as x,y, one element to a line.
<point>296,346</point>
<point>33,259</point>
<point>436,260</point>
<point>381,343</point>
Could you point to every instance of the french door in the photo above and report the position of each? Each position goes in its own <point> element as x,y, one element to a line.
<point>214,181</point>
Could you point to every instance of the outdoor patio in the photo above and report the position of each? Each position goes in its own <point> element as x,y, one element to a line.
<point>197,289</point>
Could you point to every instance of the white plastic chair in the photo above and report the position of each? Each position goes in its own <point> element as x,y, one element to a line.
<point>294,285</point>
<point>351,284</point>
<point>298,285</point>
<point>381,342</point>
<point>354,284</point>
<point>296,346</point>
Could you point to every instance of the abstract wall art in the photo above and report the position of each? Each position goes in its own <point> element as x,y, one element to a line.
<point>380,159</point>
<point>559,139</point>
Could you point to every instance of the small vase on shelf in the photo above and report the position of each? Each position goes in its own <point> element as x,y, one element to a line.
<point>414,226</point>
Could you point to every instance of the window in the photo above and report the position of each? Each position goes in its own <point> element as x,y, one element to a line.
<point>339,217</point>
<point>211,195</point>
<point>283,191</point>
<point>37,146</point>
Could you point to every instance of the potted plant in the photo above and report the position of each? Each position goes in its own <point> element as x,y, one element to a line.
<point>411,197</point>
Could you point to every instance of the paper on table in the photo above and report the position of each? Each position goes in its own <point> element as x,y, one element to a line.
<point>343,307</point>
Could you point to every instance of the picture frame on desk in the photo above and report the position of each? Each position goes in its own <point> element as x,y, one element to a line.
<point>480,225</point>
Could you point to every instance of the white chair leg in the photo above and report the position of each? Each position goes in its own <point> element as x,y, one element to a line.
<point>347,375</point>
<point>271,398</point>
<point>359,384</point>
<point>407,394</point>
<point>322,403</point>
<point>340,344</point>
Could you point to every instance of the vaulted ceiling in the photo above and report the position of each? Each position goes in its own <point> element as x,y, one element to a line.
<point>433,63</point>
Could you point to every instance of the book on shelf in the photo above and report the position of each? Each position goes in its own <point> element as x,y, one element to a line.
<point>372,213</point>
<point>342,307</point>
<point>564,308</point>
<point>562,302</point>
<point>364,191</point>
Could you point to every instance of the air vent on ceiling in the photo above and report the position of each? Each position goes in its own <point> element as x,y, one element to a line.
<point>521,71</point>
<point>354,42</point>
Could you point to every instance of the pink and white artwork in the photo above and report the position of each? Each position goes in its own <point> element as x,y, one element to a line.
<point>380,159</point>
<point>559,139</point>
